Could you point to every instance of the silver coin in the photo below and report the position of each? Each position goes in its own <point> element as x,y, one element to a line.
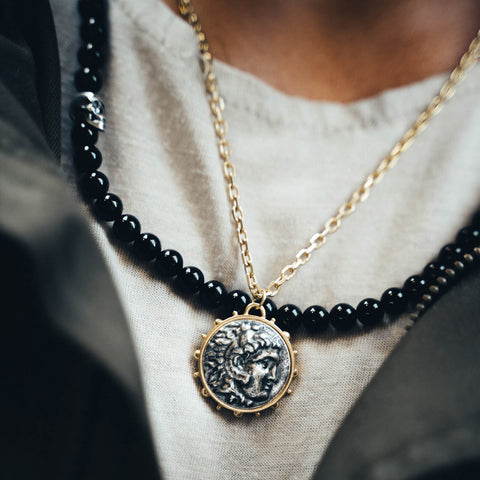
<point>246,363</point>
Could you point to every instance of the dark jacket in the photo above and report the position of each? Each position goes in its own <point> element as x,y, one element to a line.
<point>71,401</point>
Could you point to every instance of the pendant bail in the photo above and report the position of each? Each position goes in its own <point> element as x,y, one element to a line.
<point>257,304</point>
<point>262,297</point>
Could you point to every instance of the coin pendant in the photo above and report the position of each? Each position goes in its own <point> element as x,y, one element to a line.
<point>246,363</point>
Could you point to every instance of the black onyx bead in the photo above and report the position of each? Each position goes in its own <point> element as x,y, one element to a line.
<point>237,301</point>
<point>288,317</point>
<point>451,253</point>
<point>343,317</point>
<point>88,158</point>
<point>109,207</point>
<point>93,185</point>
<point>169,263</point>
<point>92,8</point>
<point>189,280</point>
<point>315,319</point>
<point>93,31</point>
<point>126,228</point>
<point>270,309</point>
<point>84,134</point>
<point>434,270</point>
<point>147,246</point>
<point>213,294</point>
<point>88,79</point>
<point>394,301</point>
<point>414,288</point>
<point>469,237</point>
<point>370,312</point>
<point>89,56</point>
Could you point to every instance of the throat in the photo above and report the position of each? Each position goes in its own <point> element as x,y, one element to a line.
<point>338,50</point>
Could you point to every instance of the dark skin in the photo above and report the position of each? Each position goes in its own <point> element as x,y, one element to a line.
<point>338,50</point>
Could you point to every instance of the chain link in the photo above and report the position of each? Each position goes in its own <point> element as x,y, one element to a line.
<point>467,61</point>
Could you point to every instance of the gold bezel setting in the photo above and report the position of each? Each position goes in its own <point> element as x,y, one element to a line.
<point>207,391</point>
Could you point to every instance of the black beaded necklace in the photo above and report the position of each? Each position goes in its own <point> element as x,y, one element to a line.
<point>416,295</point>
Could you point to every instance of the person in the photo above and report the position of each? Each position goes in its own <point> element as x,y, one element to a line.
<point>97,350</point>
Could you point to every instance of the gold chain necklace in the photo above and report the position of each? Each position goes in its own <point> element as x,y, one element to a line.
<point>246,363</point>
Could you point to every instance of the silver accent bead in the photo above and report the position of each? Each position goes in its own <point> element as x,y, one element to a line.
<point>86,106</point>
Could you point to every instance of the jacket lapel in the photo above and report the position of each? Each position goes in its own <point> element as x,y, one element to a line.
<point>72,403</point>
<point>420,415</point>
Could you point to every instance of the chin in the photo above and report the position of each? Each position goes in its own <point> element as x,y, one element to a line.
<point>260,396</point>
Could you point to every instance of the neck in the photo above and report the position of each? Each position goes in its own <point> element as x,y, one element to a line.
<point>339,50</point>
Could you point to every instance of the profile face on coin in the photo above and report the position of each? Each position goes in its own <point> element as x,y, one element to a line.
<point>246,363</point>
